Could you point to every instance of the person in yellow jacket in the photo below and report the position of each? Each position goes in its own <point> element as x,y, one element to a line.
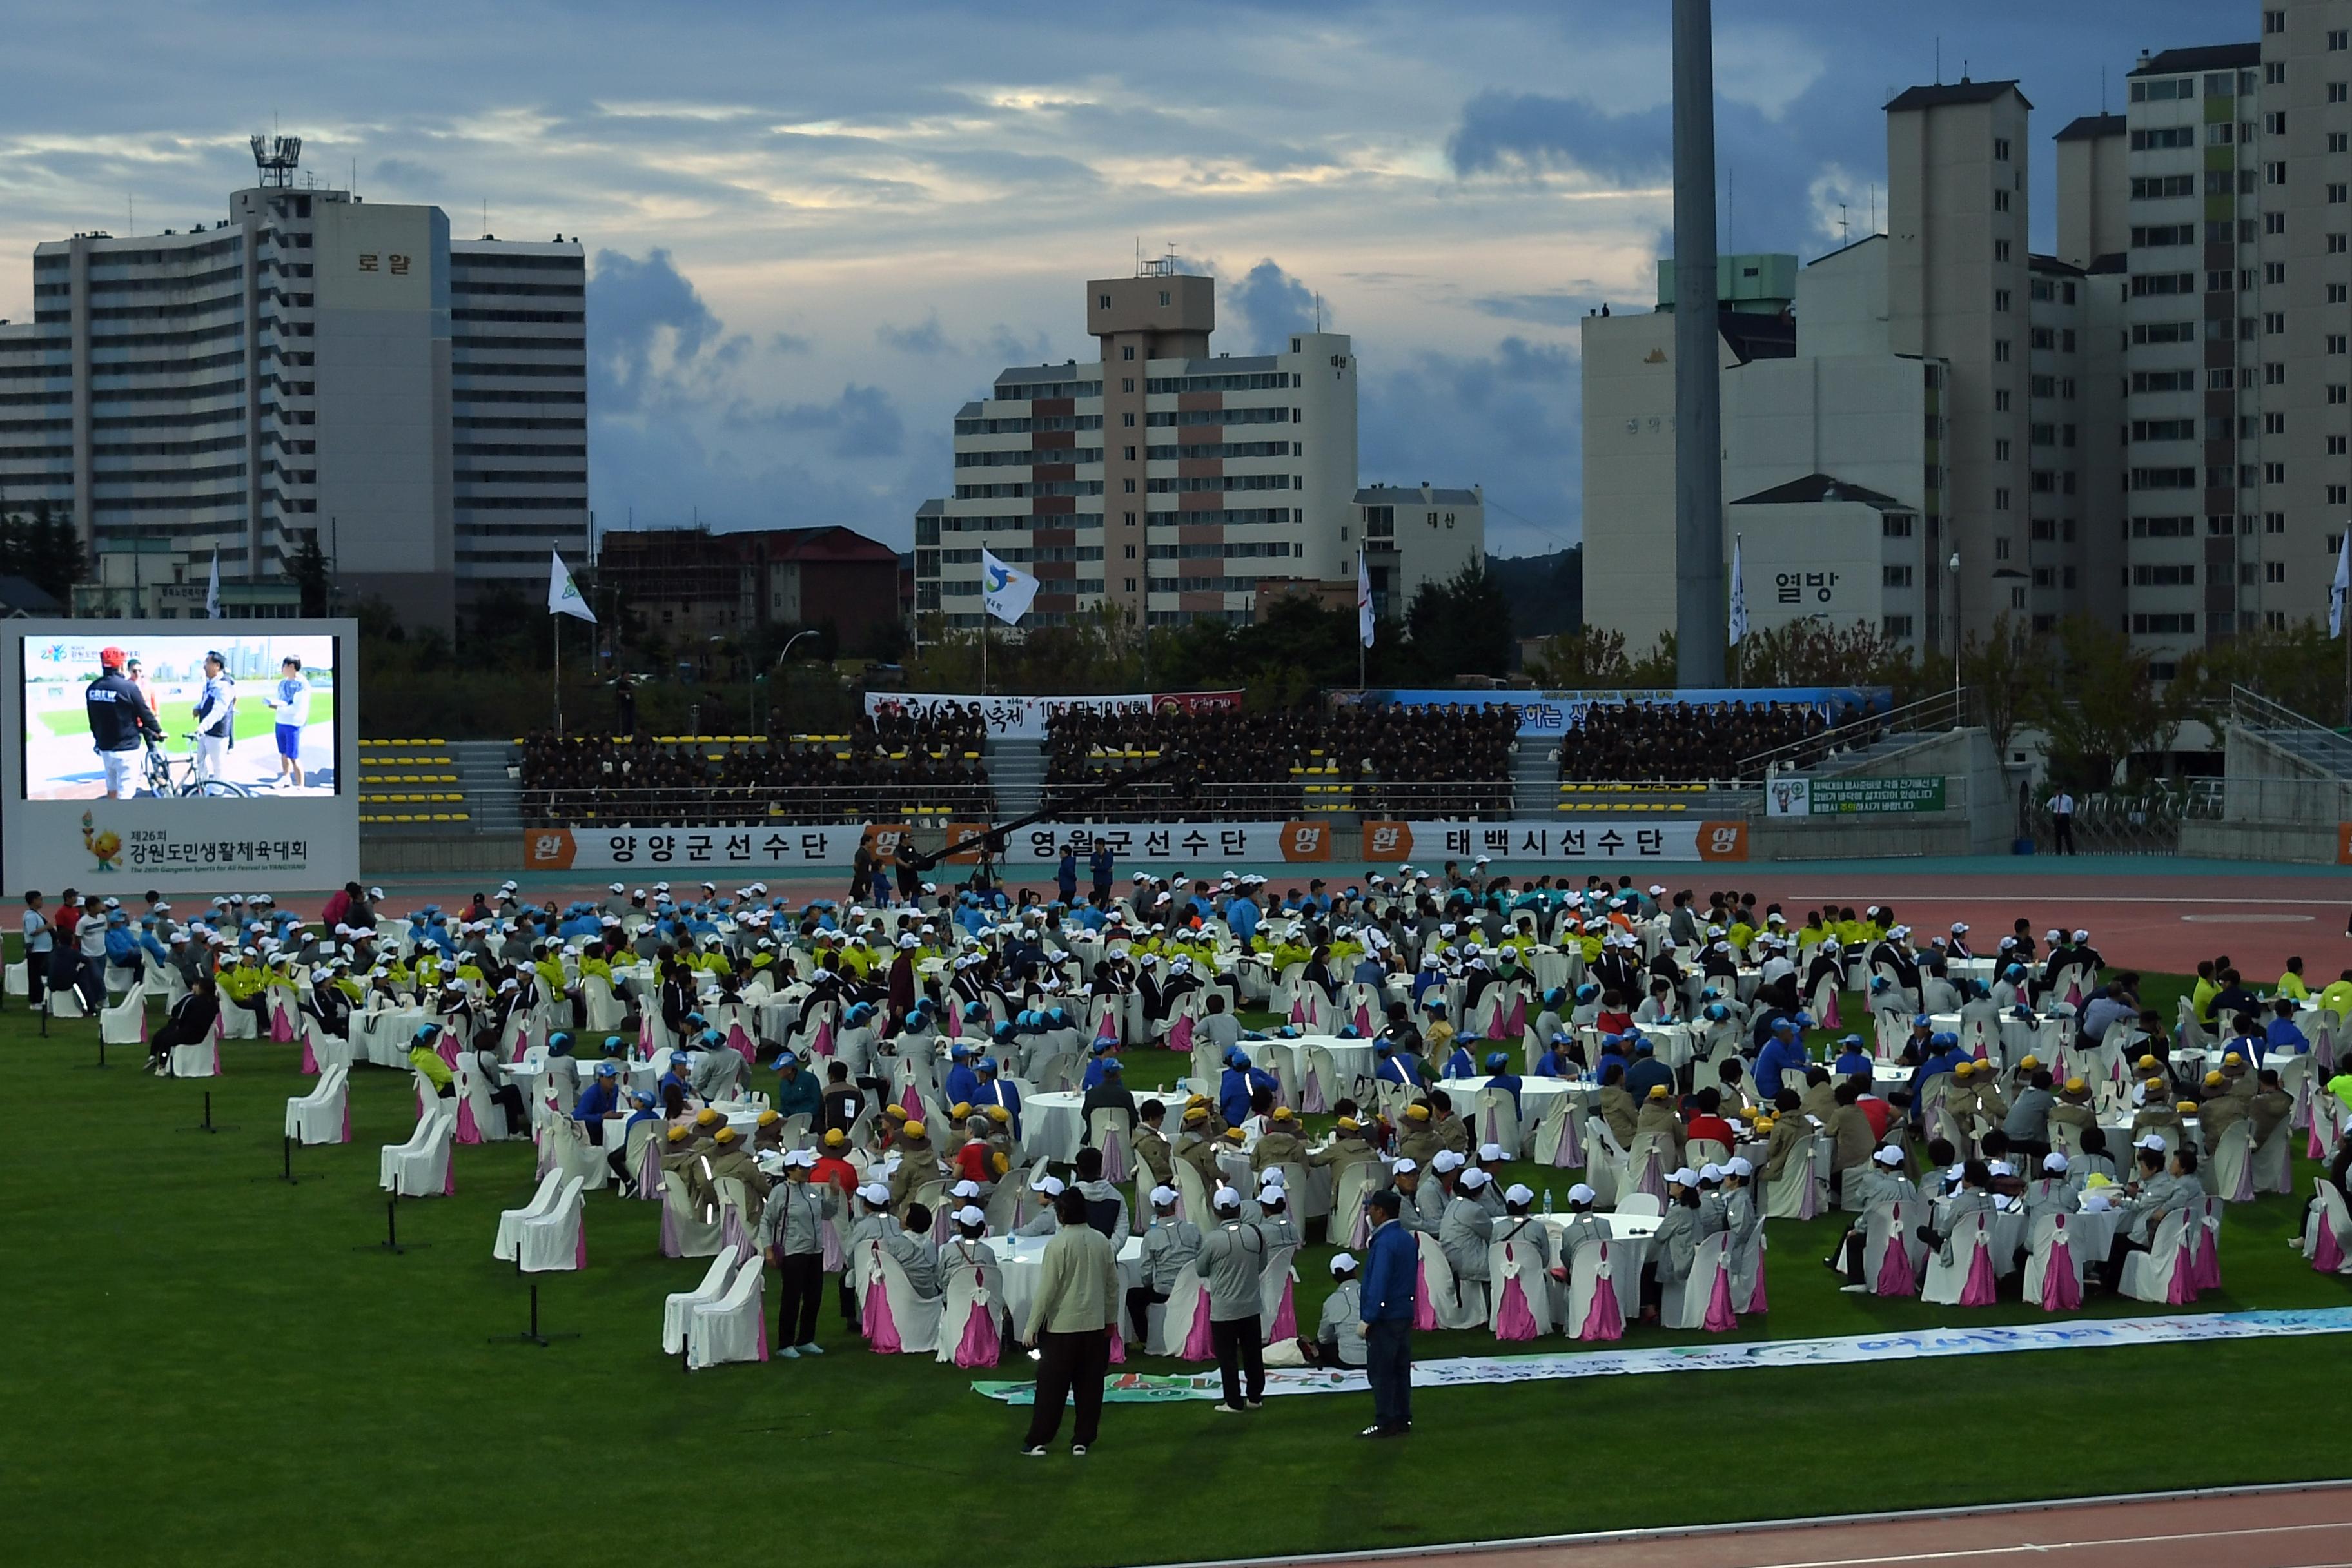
<point>2290,984</point>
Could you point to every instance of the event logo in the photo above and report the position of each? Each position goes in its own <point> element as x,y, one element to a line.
<point>106,847</point>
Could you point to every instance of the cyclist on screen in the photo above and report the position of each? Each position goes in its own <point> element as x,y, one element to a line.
<point>119,720</point>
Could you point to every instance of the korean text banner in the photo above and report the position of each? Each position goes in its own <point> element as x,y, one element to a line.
<point>662,849</point>
<point>259,802</point>
<point>1182,843</point>
<point>1552,713</point>
<point>1602,839</point>
<point>1023,718</point>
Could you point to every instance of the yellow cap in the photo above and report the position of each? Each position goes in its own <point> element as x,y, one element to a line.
<point>2076,1086</point>
<point>999,1113</point>
<point>1194,1116</point>
<point>1416,1112</point>
<point>705,1117</point>
<point>834,1138</point>
<point>1347,1124</point>
<point>2233,1060</point>
<point>1196,1100</point>
<point>2214,1081</point>
<point>2148,1062</point>
<point>724,1135</point>
<point>2029,1063</point>
<point>2187,1108</point>
<point>895,1112</point>
<point>1657,1091</point>
<point>960,1110</point>
<point>2154,1086</point>
<point>677,1134</point>
<point>914,1128</point>
<point>1234,1133</point>
<point>768,1118</point>
<point>1283,1113</point>
<point>1962,1070</point>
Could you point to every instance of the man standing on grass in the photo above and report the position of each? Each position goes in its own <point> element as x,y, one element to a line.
<point>1392,1264</point>
<point>1070,1322</point>
<point>38,943</point>
<point>290,698</point>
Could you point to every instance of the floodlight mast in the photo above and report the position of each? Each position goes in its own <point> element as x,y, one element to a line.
<point>276,157</point>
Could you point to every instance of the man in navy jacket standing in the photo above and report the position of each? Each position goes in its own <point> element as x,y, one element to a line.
<point>1392,1264</point>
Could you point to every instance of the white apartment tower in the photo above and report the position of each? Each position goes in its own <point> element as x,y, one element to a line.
<point>312,365</point>
<point>1155,479</point>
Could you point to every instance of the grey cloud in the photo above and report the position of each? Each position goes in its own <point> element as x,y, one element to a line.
<point>407,175</point>
<point>632,307</point>
<point>926,339</point>
<point>1271,305</point>
<point>789,344</point>
<point>1553,309</point>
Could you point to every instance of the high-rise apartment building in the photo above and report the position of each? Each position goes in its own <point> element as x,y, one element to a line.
<point>314,365</point>
<point>1159,480</point>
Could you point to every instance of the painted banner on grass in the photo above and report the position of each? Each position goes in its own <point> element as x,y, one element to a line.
<point>2080,1333</point>
<point>1601,839</point>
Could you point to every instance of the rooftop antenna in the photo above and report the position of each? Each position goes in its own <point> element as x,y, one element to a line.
<point>1318,309</point>
<point>276,157</point>
<point>1939,60</point>
<point>1842,228</point>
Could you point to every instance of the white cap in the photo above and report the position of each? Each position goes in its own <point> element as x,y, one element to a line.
<point>1490,1153</point>
<point>2151,1141</point>
<point>1342,1261</point>
<point>807,1157</point>
<point>1710,1172</point>
<point>2000,1168</point>
<point>1163,1197</point>
<point>2095,1202</point>
<point>874,1193</point>
<point>971,1214</point>
<point>613,888</point>
<point>1226,1198</point>
<point>1406,1166</point>
<point>1517,1193</point>
<point>1739,1165</point>
<point>1271,1193</point>
<point>2082,936</point>
<point>1273,1177</point>
<point>1580,1193</point>
<point>1683,1176</point>
<point>1474,1179</point>
<point>1889,1157</point>
<point>966,1188</point>
<point>1050,1185</point>
<point>1446,1160</point>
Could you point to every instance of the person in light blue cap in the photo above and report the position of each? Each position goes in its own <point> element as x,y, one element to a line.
<point>1559,1059</point>
<point>1500,1076</point>
<point>1854,1059</point>
<point>1459,1062</point>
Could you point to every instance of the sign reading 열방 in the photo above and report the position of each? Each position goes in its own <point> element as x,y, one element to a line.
<point>1844,797</point>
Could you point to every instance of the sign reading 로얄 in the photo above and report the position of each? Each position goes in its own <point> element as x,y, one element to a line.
<point>1844,797</point>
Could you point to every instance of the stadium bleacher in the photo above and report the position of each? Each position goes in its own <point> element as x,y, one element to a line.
<point>405,782</point>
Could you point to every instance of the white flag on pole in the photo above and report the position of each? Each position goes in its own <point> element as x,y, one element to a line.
<point>1363,600</point>
<point>1739,627</point>
<point>1006,590</point>
<point>2339,590</point>
<point>562,594</point>
<point>212,589</point>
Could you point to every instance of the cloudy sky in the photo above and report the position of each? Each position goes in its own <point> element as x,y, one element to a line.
<point>816,230</point>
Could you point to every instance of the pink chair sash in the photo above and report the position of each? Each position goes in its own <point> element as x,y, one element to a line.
<point>1720,1319</point>
<point>760,1317</point>
<point>823,1045</point>
<point>1424,1310</point>
<point>911,1102</point>
<point>1109,1032</point>
<point>216,1072</point>
<point>730,1228</point>
<point>1286,1317</point>
<point>2182,1291</point>
<point>468,1134</point>
<point>1977,1290</point>
<point>670,1241</point>
<point>1606,1320</point>
<point>2206,1243</point>
<point>979,1346</point>
<point>1570,1153</point>
<point>1513,1320</point>
<point>347,1119</point>
<point>449,1175</point>
<point>2061,1290</point>
<point>829,1236</point>
<point>2326,1252</point>
<point>1114,1153</point>
<point>2244,1191</point>
<point>650,1172</point>
<point>579,1251</point>
<point>1361,1232</point>
<point>644,1035</point>
<point>1830,1019</point>
<point>1298,1009</point>
<point>310,1059</point>
<point>281,1028</point>
<point>1199,1344</point>
<point>1180,1035</point>
<point>1364,1020</point>
<point>1894,1276</point>
<point>1757,1301</point>
<point>1118,1348</point>
<point>881,1328</point>
<point>740,1042</point>
<point>1518,1024</point>
<point>522,1043</point>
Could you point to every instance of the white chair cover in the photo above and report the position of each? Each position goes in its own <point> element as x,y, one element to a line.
<point>1496,1118</point>
<point>1179,1327</point>
<point>916,1319</point>
<point>1961,1274</point>
<point>1704,1299</point>
<point>237,1021</point>
<point>1640,1204</point>
<point>1451,1304</point>
<point>556,1240</point>
<point>2167,1271</point>
<point>684,1233</point>
<point>2233,1163</point>
<point>1605,1163</point>
<point>735,1326</point>
<point>323,1115</point>
<point>677,1307</point>
<point>124,1023</point>
<point>1799,1193</point>
<point>1515,1274</point>
<point>420,1168</point>
<point>1592,1272</point>
<point>511,1221</point>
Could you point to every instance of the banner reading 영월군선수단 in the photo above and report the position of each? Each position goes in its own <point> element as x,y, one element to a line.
<point>1023,718</point>
<point>1604,840</point>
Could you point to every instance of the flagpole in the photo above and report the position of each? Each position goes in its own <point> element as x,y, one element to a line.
<point>983,653</point>
<point>555,625</point>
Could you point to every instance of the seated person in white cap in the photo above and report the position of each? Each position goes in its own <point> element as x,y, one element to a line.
<point>1883,1182</point>
<point>1674,1246</point>
<point>967,1252</point>
<point>1583,1228</point>
<point>1490,1159</point>
<point>1465,1228</point>
<point>1168,1244</point>
<point>1044,1221</point>
<point>1336,1341</point>
<point>1741,1216</point>
<point>873,1222</point>
<point>1714,1212</point>
<point>1518,1224</point>
<point>1273,1216</point>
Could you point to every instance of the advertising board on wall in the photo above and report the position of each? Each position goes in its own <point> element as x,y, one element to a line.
<point>1552,713</point>
<point>1023,718</point>
<point>1798,797</point>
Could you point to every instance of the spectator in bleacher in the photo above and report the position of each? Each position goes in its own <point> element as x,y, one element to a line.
<point>1638,742</point>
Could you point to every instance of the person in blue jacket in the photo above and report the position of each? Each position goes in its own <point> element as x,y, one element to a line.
<point>994,1090</point>
<point>1853,1060</point>
<point>1391,1269</point>
<point>1647,1072</point>
<point>1065,873</point>
<point>1943,1055</point>
<point>121,947</point>
<point>1556,1061</point>
<point>1783,1052</point>
<point>1237,1083</point>
<point>1500,1076</point>
<point>962,1086</point>
<point>1460,1063</point>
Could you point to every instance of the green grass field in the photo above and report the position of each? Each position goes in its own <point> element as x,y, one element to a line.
<point>255,719</point>
<point>213,1343</point>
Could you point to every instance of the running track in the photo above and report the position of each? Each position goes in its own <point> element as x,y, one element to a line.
<point>2263,1529</point>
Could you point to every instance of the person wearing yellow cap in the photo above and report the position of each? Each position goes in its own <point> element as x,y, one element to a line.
<point>833,1167</point>
<point>1197,1147</point>
<point>1280,1144</point>
<point>679,1149</point>
<point>918,1165</point>
<point>1417,1140</point>
<point>2074,1109</point>
<point>1658,1115</point>
<point>2222,1109</point>
<point>1152,1147</point>
<point>731,1160</point>
<point>768,1133</point>
<point>1349,1146</point>
<point>2156,1112</point>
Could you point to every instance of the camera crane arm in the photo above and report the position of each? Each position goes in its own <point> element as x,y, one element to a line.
<point>1050,806</point>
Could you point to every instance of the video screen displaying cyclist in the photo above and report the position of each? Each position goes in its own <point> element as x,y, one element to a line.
<point>210,715</point>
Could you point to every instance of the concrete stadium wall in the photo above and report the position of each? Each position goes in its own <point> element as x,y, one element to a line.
<point>1987,788</point>
<point>2308,844</point>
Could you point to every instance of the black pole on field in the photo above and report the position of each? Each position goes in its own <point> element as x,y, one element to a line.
<point>286,1174</point>
<point>100,1065</point>
<point>206,1125</point>
<point>531,1335</point>
<point>391,1242</point>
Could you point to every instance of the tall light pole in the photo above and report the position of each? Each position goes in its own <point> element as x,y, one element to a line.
<point>1700,630</point>
<point>1952,569</point>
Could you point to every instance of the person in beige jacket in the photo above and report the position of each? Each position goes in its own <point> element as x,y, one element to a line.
<point>1071,1318</point>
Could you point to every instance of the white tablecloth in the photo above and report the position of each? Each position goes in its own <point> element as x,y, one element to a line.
<point>1536,1096</point>
<point>383,1036</point>
<point>1050,1125</point>
<point>1021,1256</point>
<point>1353,1058</point>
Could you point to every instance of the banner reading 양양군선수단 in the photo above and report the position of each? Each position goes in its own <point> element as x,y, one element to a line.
<point>1023,718</point>
<point>1604,839</point>
<point>743,848</point>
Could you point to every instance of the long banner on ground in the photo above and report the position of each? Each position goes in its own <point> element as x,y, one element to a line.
<point>2079,1334</point>
<point>1023,718</point>
<point>1551,712</point>
<point>1594,838</point>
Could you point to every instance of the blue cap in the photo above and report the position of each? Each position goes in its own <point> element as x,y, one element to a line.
<point>1783,1027</point>
<point>641,1097</point>
<point>1921,1021</point>
<point>985,1064</point>
<point>1497,1061</point>
<point>1851,1040</point>
<point>783,1059</point>
<point>1113,1066</point>
<point>606,1070</point>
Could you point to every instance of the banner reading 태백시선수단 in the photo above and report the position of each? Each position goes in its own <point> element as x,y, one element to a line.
<point>1595,838</point>
<point>1023,718</point>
